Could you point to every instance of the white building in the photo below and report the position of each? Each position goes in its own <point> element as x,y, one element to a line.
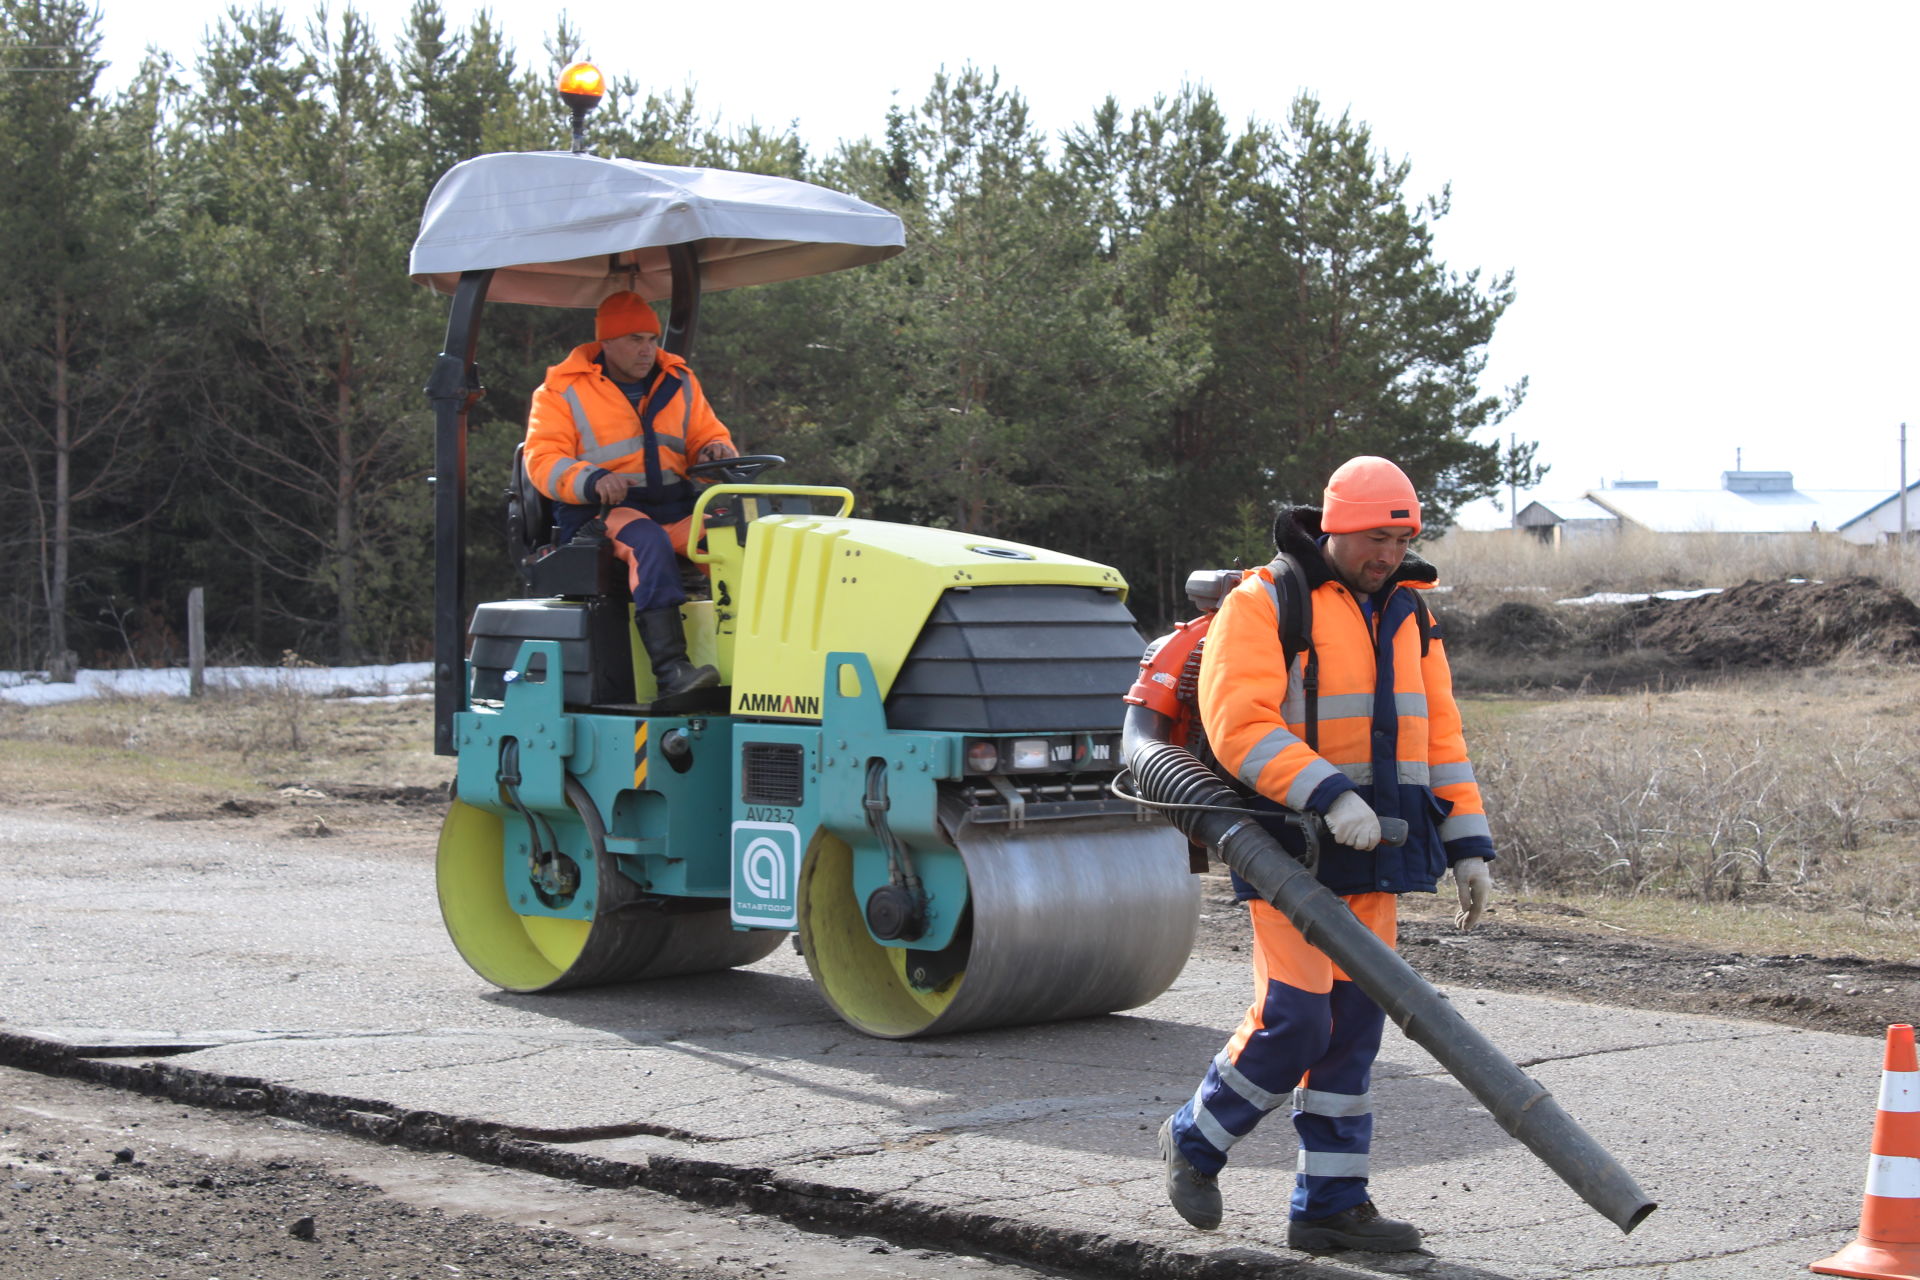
<point>1757,503</point>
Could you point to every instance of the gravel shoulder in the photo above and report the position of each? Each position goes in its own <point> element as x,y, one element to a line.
<point>98,1184</point>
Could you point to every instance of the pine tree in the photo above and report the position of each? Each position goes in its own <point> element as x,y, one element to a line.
<point>81,364</point>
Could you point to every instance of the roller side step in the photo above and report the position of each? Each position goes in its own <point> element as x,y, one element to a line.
<point>715,701</point>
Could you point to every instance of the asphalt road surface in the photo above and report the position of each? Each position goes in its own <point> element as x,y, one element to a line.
<point>305,988</point>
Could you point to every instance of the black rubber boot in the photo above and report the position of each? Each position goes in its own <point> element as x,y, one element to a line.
<point>666,646</point>
<point>1360,1227</point>
<point>1195,1196</point>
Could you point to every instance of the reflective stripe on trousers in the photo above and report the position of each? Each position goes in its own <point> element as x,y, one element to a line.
<point>1308,1041</point>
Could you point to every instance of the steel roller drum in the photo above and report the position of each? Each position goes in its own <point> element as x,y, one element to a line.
<point>1070,918</point>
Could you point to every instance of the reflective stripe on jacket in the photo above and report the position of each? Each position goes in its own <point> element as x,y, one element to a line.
<point>1388,725</point>
<point>581,425</point>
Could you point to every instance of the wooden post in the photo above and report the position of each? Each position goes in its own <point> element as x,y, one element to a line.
<point>196,642</point>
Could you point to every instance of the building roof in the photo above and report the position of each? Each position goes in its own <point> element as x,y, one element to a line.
<point>1482,515</point>
<point>1745,502</point>
<point>1728,511</point>
<point>1562,511</point>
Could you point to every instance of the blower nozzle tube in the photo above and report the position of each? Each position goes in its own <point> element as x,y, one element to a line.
<point>1168,774</point>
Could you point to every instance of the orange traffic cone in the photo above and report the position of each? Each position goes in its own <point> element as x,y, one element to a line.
<point>1888,1246</point>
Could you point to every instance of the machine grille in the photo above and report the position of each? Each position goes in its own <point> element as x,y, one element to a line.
<point>771,772</point>
<point>1019,657</point>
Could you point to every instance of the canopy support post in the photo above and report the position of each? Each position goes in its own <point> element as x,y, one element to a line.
<point>452,389</point>
<point>683,318</point>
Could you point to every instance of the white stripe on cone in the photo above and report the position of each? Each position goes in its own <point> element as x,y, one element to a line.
<point>1900,1091</point>
<point>1896,1177</point>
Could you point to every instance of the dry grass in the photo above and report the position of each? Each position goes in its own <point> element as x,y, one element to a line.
<point>1753,927</point>
<point>1793,790</point>
<point>1487,569</point>
<point>173,751</point>
<point>1773,811</point>
<point>1780,804</point>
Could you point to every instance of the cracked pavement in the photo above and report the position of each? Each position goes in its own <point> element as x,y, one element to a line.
<point>313,979</point>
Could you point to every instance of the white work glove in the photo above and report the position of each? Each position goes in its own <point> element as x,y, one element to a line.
<point>1475,883</point>
<point>1353,822</point>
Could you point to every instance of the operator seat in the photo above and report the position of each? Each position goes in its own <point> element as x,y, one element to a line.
<point>579,569</point>
<point>576,593</point>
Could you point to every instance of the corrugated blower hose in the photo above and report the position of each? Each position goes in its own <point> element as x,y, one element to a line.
<point>1171,780</point>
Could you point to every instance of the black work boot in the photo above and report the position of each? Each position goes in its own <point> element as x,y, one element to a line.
<point>1360,1227</point>
<point>666,646</point>
<point>1195,1195</point>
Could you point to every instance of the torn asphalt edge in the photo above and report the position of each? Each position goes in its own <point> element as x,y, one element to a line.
<point>798,1201</point>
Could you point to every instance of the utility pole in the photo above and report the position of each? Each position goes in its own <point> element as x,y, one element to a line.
<point>1513,482</point>
<point>1903,488</point>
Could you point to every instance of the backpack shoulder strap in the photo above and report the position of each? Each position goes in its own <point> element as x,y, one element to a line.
<point>1423,617</point>
<point>1296,599</point>
<point>1296,635</point>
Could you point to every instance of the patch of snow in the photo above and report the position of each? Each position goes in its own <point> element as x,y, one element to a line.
<point>393,680</point>
<point>1634,597</point>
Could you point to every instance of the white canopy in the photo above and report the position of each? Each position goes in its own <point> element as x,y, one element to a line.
<point>564,230</point>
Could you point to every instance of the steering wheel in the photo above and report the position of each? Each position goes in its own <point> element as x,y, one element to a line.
<point>740,470</point>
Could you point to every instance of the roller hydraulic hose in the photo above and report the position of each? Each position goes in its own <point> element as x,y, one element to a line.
<point>1165,774</point>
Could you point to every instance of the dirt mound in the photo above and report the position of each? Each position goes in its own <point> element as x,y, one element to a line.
<point>1515,630</point>
<point>1516,647</point>
<point>1767,624</point>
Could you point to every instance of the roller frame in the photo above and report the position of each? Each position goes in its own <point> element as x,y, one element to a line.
<point>643,836</point>
<point>659,828</point>
<point>853,730</point>
<point>626,940</point>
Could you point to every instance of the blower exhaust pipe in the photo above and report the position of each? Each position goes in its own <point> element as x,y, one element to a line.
<point>1169,774</point>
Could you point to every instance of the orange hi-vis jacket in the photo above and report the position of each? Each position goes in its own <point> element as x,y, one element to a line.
<point>1388,726</point>
<point>582,425</point>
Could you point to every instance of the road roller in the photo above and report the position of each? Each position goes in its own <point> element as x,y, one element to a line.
<point>906,766</point>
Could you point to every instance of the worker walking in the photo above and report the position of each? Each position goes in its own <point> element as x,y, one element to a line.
<point>1360,724</point>
<point>611,430</point>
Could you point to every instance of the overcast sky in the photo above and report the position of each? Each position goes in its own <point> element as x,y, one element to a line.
<point>1709,208</point>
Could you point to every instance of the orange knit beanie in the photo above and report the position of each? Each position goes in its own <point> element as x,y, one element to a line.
<point>623,313</point>
<point>1368,493</point>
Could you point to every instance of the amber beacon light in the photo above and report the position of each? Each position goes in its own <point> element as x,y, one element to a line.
<point>581,88</point>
